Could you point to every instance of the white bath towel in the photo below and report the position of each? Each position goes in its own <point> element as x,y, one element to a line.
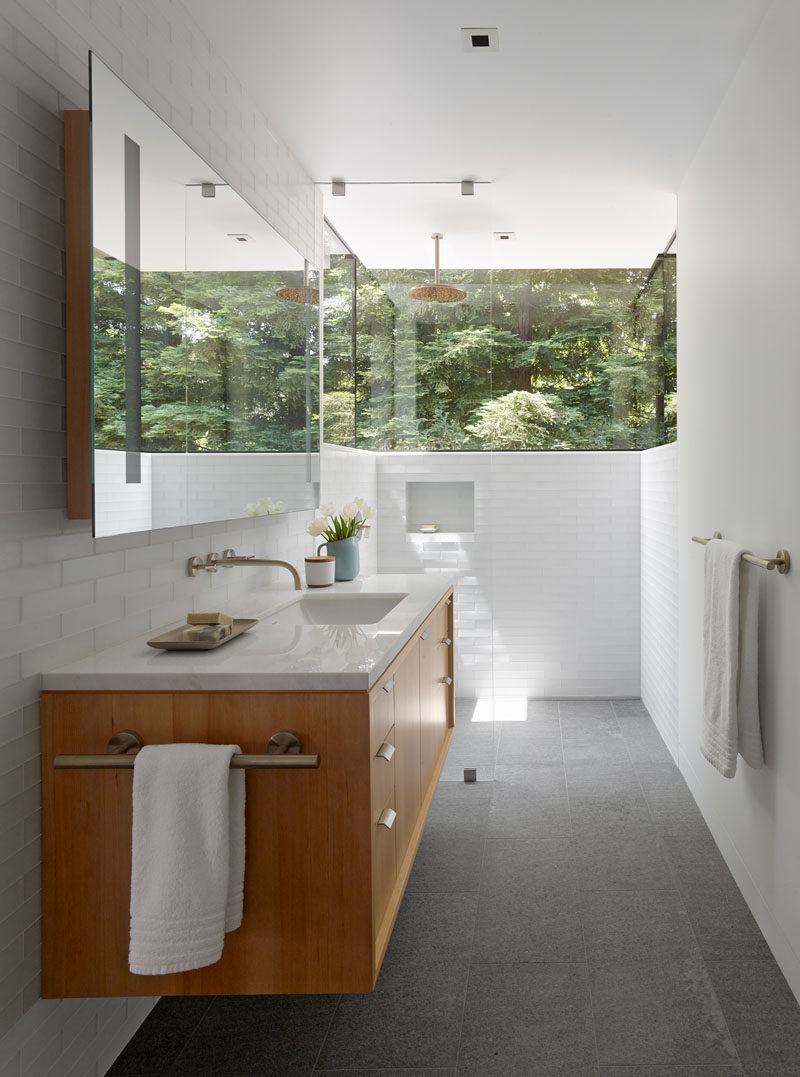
<point>187,875</point>
<point>730,635</point>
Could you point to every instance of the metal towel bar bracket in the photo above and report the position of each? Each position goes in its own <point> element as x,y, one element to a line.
<point>781,561</point>
<point>283,753</point>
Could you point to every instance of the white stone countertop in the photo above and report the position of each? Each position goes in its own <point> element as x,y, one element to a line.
<point>307,657</point>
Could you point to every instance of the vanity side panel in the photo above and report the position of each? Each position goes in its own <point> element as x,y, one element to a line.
<point>307,919</point>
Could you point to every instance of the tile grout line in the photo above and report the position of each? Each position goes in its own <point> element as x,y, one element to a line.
<point>578,893</point>
<point>325,1037</point>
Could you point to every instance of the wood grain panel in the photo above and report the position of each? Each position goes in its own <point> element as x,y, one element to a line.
<point>308,918</point>
<point>408,793</point>
<point>78,232</point>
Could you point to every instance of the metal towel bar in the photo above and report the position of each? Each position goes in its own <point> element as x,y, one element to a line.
<point>781,561</point>
<point>283,753</point>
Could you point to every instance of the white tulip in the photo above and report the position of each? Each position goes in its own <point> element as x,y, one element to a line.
<point>266,505</point>
<point>328,509</point>
<point>316,527</point>
<point>349,511</point>
<point>279,506</point>
<point>252,509</point>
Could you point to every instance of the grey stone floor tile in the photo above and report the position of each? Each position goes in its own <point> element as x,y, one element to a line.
<point>148,1058</point>
<point>546,778</point>
<point>460,806</point>
<point>426,925</point>
<point>697,862</point>
<point>535,1069</point>
<point>534,866</point>
<point>162,1036</point>
<point>629,708</point>
<point>412,1020</point>
<point>762,1013</point>
<point>585,708</point>
<point>600,748</point>
<point>257,1053</point>
<point>635,925</point>
<point>724,925</point>
<point>574,727</point>
<point>517,926</point>
<point>542,708</point>
<point>530,748</point>
<point>658,1012</point>
<point>393,1073</point>
<point>448,862</point>
<point>521,811</point>
<point>645,745</point>
<point>732,1070</point>
<point>636,862</point>
<point>610,813</point>
<point>518,1016</point>
<point>230,1015</point>
<point>587,778</point>
<point>674,807</point>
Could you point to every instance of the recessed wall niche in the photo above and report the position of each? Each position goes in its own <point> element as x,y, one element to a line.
<point>448,505</point>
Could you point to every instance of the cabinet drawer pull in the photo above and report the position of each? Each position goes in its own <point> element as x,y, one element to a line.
<point>425,634</point>
<point>386,751</point>
<point>387,818</point>
<point>388,686</point>
<point>447,680</point>
<point>447,641</point>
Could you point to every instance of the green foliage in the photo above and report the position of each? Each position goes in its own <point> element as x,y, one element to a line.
<point>226,364</point>
<point>547,359</point>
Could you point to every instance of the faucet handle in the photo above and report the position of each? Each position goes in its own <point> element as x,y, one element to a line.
<point>228,553</point>
<point>211,562</point>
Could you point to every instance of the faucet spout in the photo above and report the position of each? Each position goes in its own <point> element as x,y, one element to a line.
<point>231,560</point>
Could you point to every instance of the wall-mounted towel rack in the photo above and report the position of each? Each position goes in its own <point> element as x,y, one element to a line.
<point>283,753</point>
<point>781,561</point>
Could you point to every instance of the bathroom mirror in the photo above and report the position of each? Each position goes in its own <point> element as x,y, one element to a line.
<point>205,339</point>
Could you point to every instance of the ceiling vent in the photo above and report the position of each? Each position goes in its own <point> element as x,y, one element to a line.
<point>480,39</point>
<point>504,237</point>
<point>240,237</point>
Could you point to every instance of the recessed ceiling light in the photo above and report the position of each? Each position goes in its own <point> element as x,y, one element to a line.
<point>504,237</point>
<point>480,39</point>
<point>240,237</point>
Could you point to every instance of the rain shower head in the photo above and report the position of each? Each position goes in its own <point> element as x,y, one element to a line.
<point>436,292</point>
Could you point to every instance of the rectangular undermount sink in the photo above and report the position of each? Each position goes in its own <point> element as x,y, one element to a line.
<point>336,609</point>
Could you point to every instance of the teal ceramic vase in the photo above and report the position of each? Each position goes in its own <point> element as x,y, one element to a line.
<point>348,562</point>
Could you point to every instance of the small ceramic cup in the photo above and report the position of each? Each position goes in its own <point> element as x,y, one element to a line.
<point>320,571</point>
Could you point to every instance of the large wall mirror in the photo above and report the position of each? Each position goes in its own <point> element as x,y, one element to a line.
<point>205,336</point>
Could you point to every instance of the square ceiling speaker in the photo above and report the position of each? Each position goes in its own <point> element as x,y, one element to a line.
<point>480,39</point>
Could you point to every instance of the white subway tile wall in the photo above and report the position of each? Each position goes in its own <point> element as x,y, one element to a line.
<point>660,590</point>
<point>63,594</point>
<point>349,473</point>
<point>177,489</point>
<point>547,598</point>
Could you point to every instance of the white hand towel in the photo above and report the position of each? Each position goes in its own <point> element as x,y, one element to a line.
<point>730,637</point>
<point>187,875</point>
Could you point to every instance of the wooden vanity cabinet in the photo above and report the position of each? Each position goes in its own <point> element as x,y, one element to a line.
<point>326,862</point>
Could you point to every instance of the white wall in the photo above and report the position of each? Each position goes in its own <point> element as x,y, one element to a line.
<point>739,447</point>
<point>547,598</point>
<point>347,473</point>
<point>179,488</point>
<point>63,594</point>
<point>659,584</point>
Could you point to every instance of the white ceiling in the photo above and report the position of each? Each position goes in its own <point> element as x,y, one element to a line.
<point>585,121</point>
<point>179,229</point>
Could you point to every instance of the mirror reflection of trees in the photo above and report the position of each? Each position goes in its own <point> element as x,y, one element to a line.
<point>532,359</point>
<point>227,365</point>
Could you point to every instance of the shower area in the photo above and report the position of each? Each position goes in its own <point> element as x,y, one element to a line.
<point>500,430</point>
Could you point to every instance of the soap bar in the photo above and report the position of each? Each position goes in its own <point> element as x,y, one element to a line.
<point>203,633</point>
<point>208,619</point>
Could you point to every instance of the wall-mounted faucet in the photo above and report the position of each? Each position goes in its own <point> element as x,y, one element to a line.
<point>229,559</point>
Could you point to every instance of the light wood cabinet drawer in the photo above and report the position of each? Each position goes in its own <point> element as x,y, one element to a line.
<point>384,833</point>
